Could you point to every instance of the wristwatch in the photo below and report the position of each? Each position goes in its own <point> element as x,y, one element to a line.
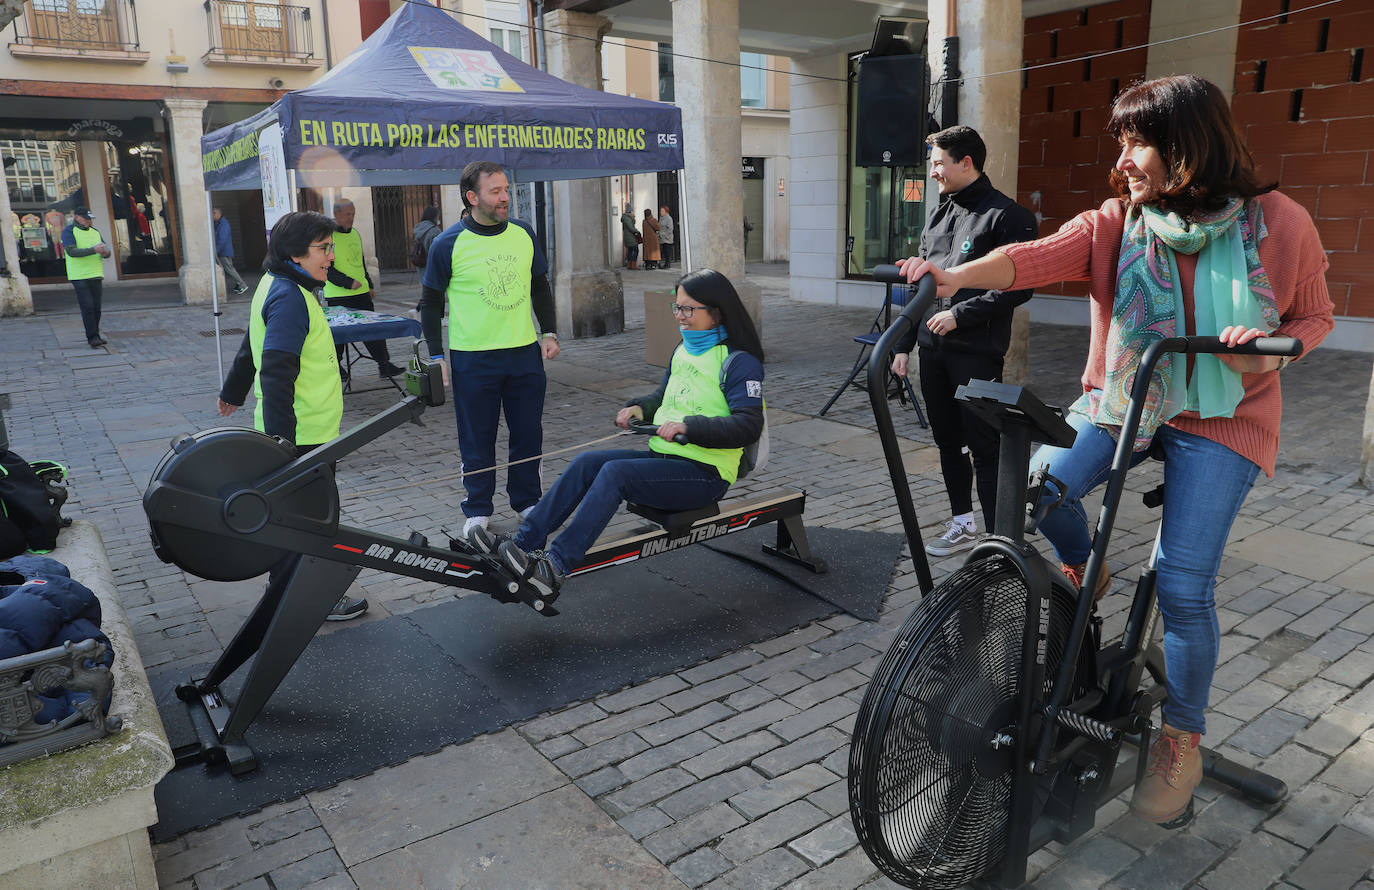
<point>551,335</point>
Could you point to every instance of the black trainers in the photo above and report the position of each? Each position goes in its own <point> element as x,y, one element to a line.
<point>97,341</point>
<point>389,370</point>
<point>534,568</point>
<point>346,609</point>
<point>241,289</point>
<point>477,538</point>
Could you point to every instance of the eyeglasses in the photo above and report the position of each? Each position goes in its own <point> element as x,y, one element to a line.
<point>684,311</point>
<point>324,248</point>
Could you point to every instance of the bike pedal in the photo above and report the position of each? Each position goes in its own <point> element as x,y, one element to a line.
<point>417,540</point>
<point>1180,821</point>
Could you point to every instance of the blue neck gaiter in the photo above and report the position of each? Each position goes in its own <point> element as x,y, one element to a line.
<point>698,342</point>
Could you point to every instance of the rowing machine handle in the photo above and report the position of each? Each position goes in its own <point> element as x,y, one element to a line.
<point>646,428</point>
<point>1259,346</point>
<point>888,273</point>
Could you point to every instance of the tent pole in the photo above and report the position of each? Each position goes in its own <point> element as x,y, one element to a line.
<point>682,212</point>
<point>214,284</point>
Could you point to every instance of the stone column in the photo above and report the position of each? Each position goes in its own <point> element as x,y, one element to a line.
<point>819,130</point>
<point>589,296</point>
<point>186,122</point>
<point>990,35</point>
<point>1209,51</point>
<point>15,297</point>
<point>709,95</point>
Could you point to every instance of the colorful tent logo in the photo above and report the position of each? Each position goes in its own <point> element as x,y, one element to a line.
<point>463,69</point>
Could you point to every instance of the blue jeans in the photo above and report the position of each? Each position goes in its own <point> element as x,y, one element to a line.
<point>485,384</point>
<point>1205,484</point>
<point>597,482</point>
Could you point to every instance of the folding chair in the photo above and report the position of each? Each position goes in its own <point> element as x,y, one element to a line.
<point>895,296</point>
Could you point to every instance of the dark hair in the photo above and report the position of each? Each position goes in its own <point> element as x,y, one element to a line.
<point>431,214</point>
<point>961,142</point>
<point>472,176</point>
<point>1187,120</point>
<point>294,233</point>
<point>710,288</point>
<point>648,212</point>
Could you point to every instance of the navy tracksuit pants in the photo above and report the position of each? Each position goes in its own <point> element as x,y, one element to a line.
<point>486,384</point>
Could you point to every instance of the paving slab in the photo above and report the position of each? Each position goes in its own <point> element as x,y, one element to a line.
<point>1318,557</point>
<point>558,839</point>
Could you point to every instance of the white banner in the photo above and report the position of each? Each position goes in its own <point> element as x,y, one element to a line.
<point>276,189</point>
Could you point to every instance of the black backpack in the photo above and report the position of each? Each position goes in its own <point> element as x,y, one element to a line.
<point>419,251</point>
<point>31,499</point>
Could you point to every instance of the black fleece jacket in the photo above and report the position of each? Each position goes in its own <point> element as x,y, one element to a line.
<point>967,225</point>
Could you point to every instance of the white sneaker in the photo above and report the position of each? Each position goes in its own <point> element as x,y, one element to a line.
<point>474,521</point>
<point>956,537</point>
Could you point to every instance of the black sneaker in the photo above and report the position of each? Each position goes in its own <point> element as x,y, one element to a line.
<point>97,341</point>
<point>477,538</point>
<point>346,609</point>
<point>241,289</point>
<point>534,568</point>
<point>389,370</point>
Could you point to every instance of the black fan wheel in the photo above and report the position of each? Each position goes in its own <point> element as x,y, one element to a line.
<point>930,795</point>
<point>218,463</point>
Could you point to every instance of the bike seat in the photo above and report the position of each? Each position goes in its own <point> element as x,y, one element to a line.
<point>674,522</point>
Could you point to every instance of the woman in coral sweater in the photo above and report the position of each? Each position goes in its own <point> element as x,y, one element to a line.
<point>1195,244</point>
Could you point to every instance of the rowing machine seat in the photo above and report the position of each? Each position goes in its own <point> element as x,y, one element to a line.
<point>678,522</point>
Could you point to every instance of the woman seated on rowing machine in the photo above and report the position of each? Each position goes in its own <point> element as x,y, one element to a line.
<point>1195,243</point>
<point>718,418</point>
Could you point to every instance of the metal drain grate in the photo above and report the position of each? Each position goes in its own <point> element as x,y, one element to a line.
<point>222,331</point>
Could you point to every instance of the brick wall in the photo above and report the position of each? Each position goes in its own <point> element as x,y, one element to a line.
<point>1065,152</point>
<point>1304,96</point>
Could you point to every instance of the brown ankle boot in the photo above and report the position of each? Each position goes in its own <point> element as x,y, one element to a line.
<point>1166,792</point>
<point>1075,576</point>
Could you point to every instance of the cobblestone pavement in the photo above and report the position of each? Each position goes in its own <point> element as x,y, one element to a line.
<point>731,774</point>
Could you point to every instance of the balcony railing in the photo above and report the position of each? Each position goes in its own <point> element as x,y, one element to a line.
<point>259,29</point>
<point>109,25</point>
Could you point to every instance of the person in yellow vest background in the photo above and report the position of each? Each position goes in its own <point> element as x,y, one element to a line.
<point>349,285</point>
<point>287,359</point>
<point>85,253</point>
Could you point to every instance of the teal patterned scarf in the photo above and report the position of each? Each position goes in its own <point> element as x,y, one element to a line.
<point>1230,287</point>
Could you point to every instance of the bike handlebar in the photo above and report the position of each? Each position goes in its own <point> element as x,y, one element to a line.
<point>1261,346</point>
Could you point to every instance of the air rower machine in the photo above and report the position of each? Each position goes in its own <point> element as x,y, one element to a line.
<point>227,504</point>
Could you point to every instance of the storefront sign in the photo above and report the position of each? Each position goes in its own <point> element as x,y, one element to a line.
<point>751,168</point>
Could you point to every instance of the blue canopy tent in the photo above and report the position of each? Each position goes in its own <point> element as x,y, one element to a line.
<point>424,96</point>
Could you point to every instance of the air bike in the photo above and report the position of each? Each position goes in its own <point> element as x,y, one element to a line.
<point>227,504</point>
<point>1000,719</point>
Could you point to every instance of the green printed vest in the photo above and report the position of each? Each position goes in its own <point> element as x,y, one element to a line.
<point>318,402</point>
<point>82,267</point>
<point>489,291</point>
<point>694,388</point>
<point>348,259</point>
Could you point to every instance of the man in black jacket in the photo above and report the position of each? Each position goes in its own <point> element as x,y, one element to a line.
<point>966,337</point>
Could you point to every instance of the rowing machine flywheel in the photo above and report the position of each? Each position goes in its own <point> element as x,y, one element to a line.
<point>930,767</point>
<point>223,464</point>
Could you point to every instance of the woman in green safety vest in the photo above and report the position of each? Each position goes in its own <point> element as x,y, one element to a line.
<point>717,416</point>
<point>287,357</point>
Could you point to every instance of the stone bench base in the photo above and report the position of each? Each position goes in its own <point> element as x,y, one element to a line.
<point>80,817</point>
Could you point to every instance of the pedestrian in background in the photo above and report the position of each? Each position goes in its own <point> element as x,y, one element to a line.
<point>650,236</point>
<point>667,236</point>
<point>632,238</point>
<point>224,251</point>
<point>349,285</point>
<point>85,252</point>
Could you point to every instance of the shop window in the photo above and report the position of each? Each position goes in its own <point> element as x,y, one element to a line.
<point>141,228</point>
<point>880,200</point>
<point>42,196</point>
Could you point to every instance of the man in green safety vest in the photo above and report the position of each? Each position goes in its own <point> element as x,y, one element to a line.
<point>489,271</point>
<point>350,286</point>
<point>85,252</point>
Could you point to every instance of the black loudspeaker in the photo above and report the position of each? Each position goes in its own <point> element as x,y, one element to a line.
<point>892,112</point>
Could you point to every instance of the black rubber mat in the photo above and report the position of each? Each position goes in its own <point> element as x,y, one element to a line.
<point>380,693</point>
